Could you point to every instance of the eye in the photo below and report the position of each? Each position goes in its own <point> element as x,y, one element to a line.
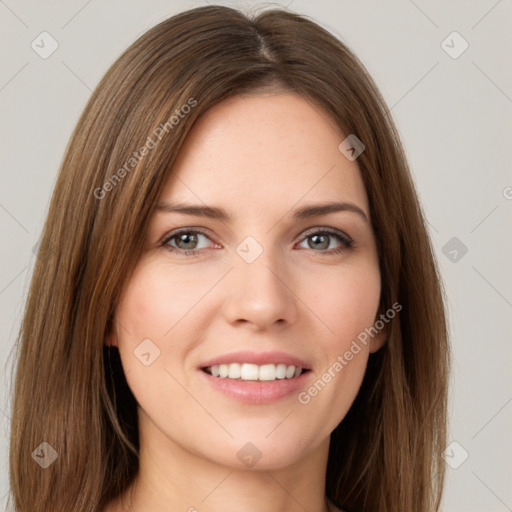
<point>184,241</point>
<point>320,239</point>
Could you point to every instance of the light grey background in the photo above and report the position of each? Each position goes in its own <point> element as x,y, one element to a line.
<point>454,115</point>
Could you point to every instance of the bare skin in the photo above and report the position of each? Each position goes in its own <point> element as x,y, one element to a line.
<point>260,158</point>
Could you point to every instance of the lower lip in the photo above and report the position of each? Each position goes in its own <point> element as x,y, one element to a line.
<point>257,392</point>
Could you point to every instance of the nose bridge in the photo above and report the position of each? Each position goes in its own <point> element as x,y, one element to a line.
<point>259,289</point>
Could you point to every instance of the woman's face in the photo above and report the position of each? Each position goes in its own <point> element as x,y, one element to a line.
<point>266,289</point>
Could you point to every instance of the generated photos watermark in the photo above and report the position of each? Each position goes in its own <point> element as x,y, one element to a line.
<point>363,337</point>
<point>151,142</point>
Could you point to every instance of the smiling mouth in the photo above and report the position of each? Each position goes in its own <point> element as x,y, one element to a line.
<point>254,372</point>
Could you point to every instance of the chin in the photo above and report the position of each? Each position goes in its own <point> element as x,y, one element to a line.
<point>258,452</point>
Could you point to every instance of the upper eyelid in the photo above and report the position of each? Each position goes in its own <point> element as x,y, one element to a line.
<point>177,231</point>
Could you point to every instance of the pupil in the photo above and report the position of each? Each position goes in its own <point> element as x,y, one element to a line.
<point>316,238</point>
<point>184,237</point>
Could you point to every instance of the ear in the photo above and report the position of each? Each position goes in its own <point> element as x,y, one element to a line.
<point>377,342</point>
<point>112,338</point>
<point>382,324</point>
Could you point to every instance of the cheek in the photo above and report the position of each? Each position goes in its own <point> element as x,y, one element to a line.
<point>347,306</point>
<point>153,303</point>
<point>146,311</point>
<point>153,320</point>
<point>347,303</point>
<point>143,316</point>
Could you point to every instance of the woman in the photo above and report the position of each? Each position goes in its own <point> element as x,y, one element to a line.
<point>237,307</point>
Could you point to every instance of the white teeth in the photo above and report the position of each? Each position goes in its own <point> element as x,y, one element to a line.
<point>290,372</point>
<point>248,371</point>
<point>281,371</point>
<point>235,370</point>
<point>267,372</point>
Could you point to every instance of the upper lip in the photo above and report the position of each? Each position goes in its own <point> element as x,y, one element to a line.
<point>261,358</point>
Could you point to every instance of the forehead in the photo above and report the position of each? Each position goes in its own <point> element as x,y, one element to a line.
<point>264,152</point>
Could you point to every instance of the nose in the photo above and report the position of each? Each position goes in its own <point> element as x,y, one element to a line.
<point>260,294</point>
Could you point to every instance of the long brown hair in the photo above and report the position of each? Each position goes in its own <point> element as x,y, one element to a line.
<point>385,456</point>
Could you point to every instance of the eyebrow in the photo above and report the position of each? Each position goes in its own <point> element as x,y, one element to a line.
<point>305,212</point>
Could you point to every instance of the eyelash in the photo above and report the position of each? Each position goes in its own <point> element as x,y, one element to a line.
<point>346,241</point>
